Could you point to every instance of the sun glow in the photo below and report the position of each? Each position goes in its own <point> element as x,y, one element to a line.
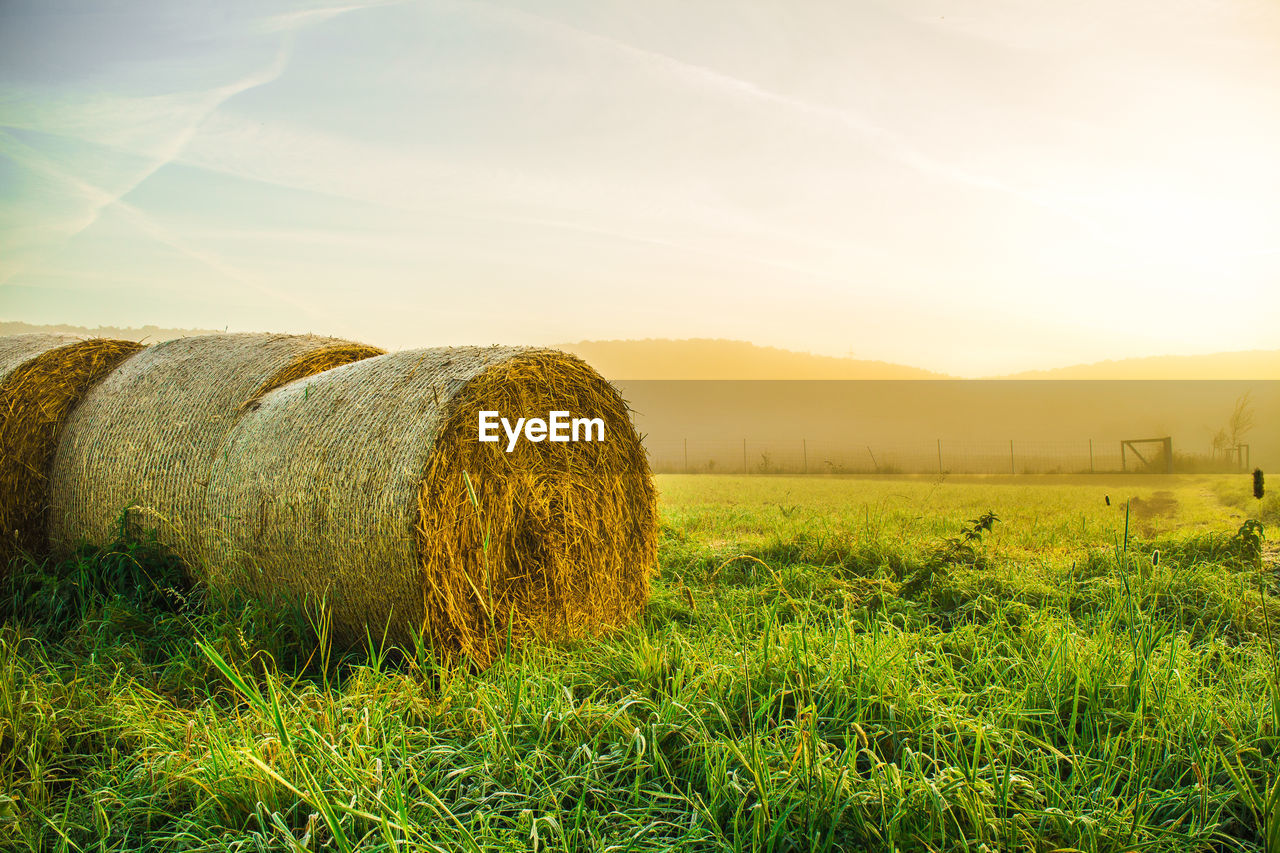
<point>1160,225</point>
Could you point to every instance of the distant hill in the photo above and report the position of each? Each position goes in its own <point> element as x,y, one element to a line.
<point>146,334</point>
<point>714,358</point>
<point>1251,364</point>
<point>707,358</point>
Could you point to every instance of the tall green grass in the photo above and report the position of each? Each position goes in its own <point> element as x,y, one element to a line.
<point>825,669</point>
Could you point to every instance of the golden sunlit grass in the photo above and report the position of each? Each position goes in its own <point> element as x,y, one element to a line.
<point>1042,514</point>
<point>824,664</point>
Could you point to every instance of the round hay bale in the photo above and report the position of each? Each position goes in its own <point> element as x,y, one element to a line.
<point>145,438</point>
<point>367,487</point>
<point>42,378</point>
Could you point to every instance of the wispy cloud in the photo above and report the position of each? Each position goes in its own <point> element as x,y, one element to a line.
<point>875,135</point>
<point>193,110</point>
<point>460,187</point>
<point>148,226</point>
<point>314,14</point>
<point>99,200</point>
<point>275,153</point>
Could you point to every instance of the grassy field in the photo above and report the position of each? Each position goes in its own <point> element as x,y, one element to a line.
<point>826,664</point>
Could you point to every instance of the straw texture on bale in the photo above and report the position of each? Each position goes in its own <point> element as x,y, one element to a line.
<point>352,491</point>
<point>42,378</point>
<point>145,438</point>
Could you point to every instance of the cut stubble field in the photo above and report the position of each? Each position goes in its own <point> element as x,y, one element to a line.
<point>896,663</point>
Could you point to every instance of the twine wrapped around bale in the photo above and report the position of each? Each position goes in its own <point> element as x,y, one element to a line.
<point>146,436</point>
<point>368,488</point>
<point>42,378</point>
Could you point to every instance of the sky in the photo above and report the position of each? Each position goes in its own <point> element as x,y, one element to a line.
<point>973,188</point>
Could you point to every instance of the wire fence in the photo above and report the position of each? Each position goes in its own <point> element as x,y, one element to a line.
<point>814,456</point>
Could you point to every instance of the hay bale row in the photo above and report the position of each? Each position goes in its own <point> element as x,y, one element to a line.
<point>146,436</point>
<point>321,470</point>
<point>350,488</point>
<point>42,378</point>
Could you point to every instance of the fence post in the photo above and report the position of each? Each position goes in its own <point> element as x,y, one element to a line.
<point>804,450</point>
<point>1091,456</point>
<point>1012,468</point>
<point>744,456</point>
<point>686,454</point>
<point>939,456</point>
